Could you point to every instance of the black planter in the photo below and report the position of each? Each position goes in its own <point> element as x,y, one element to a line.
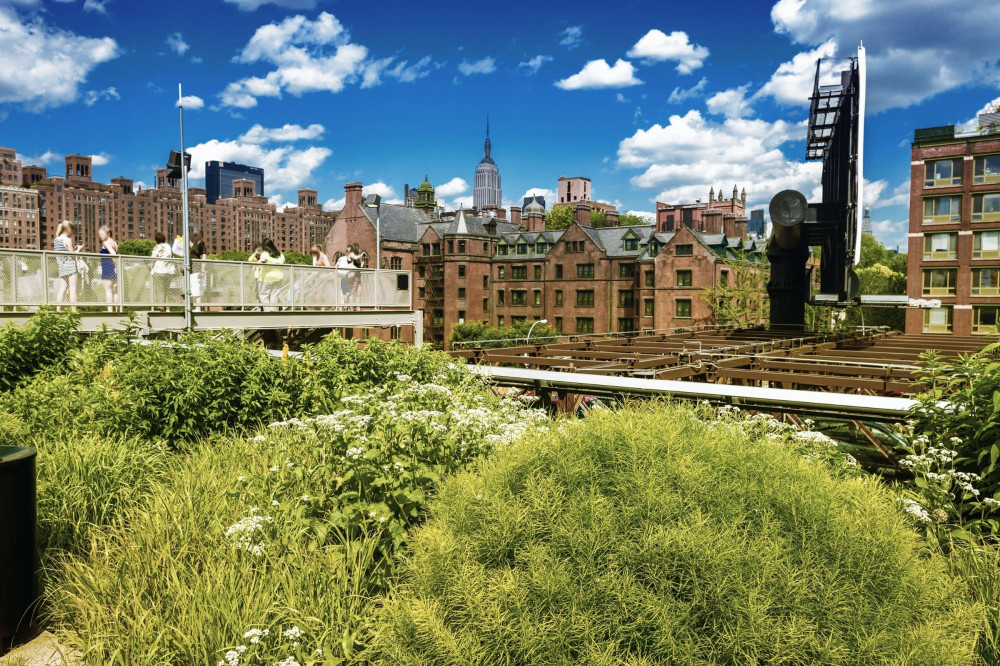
<point>18,555</point>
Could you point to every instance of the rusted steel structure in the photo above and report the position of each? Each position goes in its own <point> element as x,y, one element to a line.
<point>874,362</point>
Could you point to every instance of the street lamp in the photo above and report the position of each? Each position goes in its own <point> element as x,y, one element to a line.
<point>179,164</point>
<point>375,201</point>
<point>532,327</point>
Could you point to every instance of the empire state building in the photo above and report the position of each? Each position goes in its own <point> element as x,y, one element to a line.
<point>486,188</point>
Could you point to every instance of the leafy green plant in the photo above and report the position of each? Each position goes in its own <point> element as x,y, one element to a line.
<point>649,536</point>
<point>955,448</point>
<point>43,340</point>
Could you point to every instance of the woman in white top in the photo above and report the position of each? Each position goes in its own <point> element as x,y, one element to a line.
<point>319,281</point>
<point>163,270</point>
<point>66,264</point>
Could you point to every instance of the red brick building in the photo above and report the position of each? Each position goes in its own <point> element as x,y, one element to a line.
<point>954,230</point>
<point>237,223</point>
<point>718,216</point>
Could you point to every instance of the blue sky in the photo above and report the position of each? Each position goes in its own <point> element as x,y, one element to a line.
<point>651,100</point>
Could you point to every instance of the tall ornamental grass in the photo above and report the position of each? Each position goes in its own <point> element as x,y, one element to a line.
<point>274,545</point>
<point>649,536</point>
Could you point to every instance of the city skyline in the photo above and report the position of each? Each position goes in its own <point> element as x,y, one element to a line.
<point>654,107</point>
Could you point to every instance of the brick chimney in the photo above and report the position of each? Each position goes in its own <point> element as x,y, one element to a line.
<point>711,221</point>
<point>581,214</point>
<point>611,218</point>
<point>515,215</point>
<point>734,226</point>
<point>353,195</point>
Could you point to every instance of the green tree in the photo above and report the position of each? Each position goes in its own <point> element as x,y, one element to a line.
<point>137,247</point>
<point>297,258</point>
<point>597,218</point>
<point>558,217</point>
<point>741,298</point>
<point>504,336</point>
<point>631,220</point>
<point>880,272</point>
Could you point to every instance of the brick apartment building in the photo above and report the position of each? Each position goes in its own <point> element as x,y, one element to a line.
<point>235,223</point>
<point>10,168</point>
<point>954,231</point>
<point>486,267</point>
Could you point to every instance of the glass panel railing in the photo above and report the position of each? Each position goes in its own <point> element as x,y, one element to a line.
<point>31,278</point>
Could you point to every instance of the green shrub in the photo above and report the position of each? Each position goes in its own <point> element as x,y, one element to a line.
<point>648,536</point>
<point>137,247</point>
<point>44,339</point>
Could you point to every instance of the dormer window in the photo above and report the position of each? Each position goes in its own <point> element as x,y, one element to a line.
<point>502,249</point>
<point>522,248</point>
<point>631,244</point>
<point>541,247</point>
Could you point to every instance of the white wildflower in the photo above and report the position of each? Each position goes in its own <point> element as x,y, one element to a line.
<point>292,633</point>
<point>914,509</point>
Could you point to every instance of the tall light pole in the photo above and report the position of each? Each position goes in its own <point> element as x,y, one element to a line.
<point>532,327</point>
<point>188,319</point>
<point>375,201</point>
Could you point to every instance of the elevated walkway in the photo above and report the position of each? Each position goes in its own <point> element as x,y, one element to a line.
<point>115,291</point>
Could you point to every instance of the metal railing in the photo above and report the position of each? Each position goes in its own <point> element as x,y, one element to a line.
<point>31,278</point>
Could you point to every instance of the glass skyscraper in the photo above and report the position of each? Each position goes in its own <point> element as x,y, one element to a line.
<point>219,177</point>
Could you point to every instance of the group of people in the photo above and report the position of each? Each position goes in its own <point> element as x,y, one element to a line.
<point>70,268</point>
<point>271,277</point>
<point>350,279</point>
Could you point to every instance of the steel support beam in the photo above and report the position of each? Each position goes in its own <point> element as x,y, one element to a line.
<point>794,401</point>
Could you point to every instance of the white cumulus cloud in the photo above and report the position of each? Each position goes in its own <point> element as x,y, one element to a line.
<point>100,159</point>
<point>690,154</point>
<point>96,6</point>
<point>177,44</point>
<point>731,103</point>
<point>309,56</point>
<point>43,66</point>
<point>191,102</point>
<point>792,83</point>
<point>92,97</point>
<point>657,46</point>
<point>287,133</point>
<point>485,65</point>
<point>453,187</point>
<point>598,74</point>
<point>916,48</point>
<point>253,5</point>
<point>571,37</point>
<point>285,167</point>
<point>533,64</point>
<point>679,94</point>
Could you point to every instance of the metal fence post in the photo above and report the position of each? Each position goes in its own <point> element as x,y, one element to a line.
<point>45,278</point>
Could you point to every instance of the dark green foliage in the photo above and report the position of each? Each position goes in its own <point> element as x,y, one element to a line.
<point>231,255</point>
<point>138,247</point>
<point>880,271</point>
<point>45,339</point>
<point>651,537</point>
<point>297,258</point>
<point>504,336</point>
<point>559,217</point>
